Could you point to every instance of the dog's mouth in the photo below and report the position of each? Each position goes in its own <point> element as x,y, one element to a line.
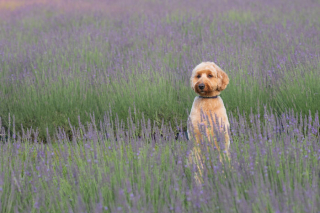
<point>200,91</point>
<point>202,88</point>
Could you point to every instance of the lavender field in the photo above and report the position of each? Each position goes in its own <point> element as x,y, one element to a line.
<point>95,96</point>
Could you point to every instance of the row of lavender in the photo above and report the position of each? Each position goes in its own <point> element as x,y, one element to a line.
<point>57,65</point>
<point>274,168</point>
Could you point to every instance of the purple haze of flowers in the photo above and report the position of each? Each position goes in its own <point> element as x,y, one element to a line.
<point>70,64</point>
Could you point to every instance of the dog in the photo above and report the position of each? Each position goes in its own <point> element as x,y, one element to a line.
<point>208,114</point>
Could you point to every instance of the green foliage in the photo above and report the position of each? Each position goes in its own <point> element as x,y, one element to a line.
<point>299,90</point>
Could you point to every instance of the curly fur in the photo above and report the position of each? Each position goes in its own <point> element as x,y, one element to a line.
<point>208,112</point>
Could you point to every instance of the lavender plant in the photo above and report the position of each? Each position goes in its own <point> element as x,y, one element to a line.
<point>274,167</point>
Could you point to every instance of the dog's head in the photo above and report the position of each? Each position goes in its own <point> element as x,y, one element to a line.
<point>208,79</point>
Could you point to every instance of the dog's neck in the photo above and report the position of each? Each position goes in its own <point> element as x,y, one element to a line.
<point>208,97</point>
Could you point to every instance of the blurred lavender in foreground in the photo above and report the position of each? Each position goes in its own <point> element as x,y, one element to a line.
<point>274,167</point>
<point>63,59</point>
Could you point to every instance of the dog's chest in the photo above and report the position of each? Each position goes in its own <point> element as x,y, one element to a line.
<point>205,105</point>
<point>203,109</point>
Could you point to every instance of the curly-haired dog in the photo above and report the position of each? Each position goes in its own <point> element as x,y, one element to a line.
<point>208,114</point>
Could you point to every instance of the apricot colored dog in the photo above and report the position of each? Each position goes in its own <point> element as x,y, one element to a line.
<point>208,114</point>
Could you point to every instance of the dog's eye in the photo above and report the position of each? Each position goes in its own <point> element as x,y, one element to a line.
<point>210,76</point>
<point>198,76</point>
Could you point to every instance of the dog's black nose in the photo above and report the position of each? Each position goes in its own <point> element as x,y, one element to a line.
<point>201,86</point>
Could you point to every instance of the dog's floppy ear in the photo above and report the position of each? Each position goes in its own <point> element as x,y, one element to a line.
<point>191,82</point>
<point>223,76</point>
